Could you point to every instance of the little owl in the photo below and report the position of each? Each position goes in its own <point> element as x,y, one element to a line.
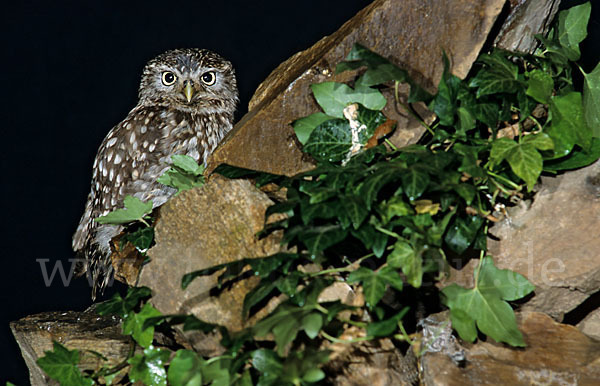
<point>186,103</point>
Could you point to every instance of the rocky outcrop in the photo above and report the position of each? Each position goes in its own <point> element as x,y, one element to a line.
<point>411,33</point>
<point>556,354</point>
<point>554,242</point>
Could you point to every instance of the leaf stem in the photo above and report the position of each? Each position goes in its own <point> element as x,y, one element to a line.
<point>504,179</point>
<point>345,341</point>
<point>409,109</point>
<point>388,232</point>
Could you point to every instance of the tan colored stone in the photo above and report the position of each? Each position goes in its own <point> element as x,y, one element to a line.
<point>555,243</point>
<point>411,33</point>
<point>590,325</point>
<point>75,330</point>
<point>200,228</point>
<point>556,354</point>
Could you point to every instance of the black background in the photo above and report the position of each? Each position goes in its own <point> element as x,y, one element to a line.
<point>70,72</point>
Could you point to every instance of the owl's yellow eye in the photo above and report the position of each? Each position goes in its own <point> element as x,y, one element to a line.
<point>168,78</point>
<point>209,78</point>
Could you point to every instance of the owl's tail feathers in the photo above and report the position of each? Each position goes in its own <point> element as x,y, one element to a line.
<point>97,267</point>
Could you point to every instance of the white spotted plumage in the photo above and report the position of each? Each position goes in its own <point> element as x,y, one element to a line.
<point>138,150</point>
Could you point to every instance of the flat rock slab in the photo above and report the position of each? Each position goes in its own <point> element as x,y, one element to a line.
<point>200,228</point>
<point>75,330</point>
<point>556,354</point>
<point>411,33</point>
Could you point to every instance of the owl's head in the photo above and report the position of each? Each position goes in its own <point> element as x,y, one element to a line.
<point>191,80</point>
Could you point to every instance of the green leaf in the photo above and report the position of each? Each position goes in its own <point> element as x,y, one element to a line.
<point>134,210</point>
<point>374,283</point>
<point>572,27</point>
<point>462,232</point>
<point>141,238</point>
<point>576,159</point>
<point>268,363</point>
<point>285,323</point>
<point>568,126</point>
<point>485,305</point>
<point>119,306</point>
<point>333,97</point>
<point>133,324</point>
<point>501,148</point>
<point>319,238</point>
<point>386,327</point>
<point>499,75</point>
<point>414,182</point>
<point>61,365</point>
<point>185,369</point>
<point>187,164</point>
<point>540,86</point>
<point>526,162</point>
<point>541,141</point>
<point>444,103</point>
<point>149,368</point>
<point>404,256</point>
<point>380,70</point>
<point>330,141</point>
<point>355,209</point>
<point>591,96</point>
<point>305,126</point>
<point>184,174</point>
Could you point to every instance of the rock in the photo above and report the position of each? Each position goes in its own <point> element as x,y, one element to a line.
<point>555,243</point>
<point>556,354</point>
<point>590,325</point>
<point>411,33</point>
<point>199,228</point>
<point>370,363</point>
<point>526,19</point>
<point>75,330</point>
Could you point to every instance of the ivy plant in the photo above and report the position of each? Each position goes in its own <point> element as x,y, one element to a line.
<point>383,220</point>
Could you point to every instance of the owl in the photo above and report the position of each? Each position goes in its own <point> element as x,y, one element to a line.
<point>187,98</point>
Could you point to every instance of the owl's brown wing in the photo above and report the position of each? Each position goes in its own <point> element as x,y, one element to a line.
<point>127,163</point>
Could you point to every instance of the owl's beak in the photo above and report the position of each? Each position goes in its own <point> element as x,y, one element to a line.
<point>188,91</point>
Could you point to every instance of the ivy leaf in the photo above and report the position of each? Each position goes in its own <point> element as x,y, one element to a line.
<point>575,160</point>
<point>404,256</point>
<point>572,28</point>
<point>462,232</point>
<point>333,97</point>
<point>568,125</point>
<point>330,141</point>
<point>374,283</point>
<point>61,365</point>
<point>184,174</point>
<point>268,363</point>
<point>540,86</point>
<point>499,76</point>
<point>285,323</point>
<point>485,305</point>
<point>134,210</point>
<point>149,368</point>
<point>319,238</point>
<point>526,162</point>
<point>386,327</point>
<point>133,324</point>
<point>591,96</point>
<point>141,238</point>
<point>119,306</point>
<point>444,103</point>
<point>540,141</point>
<point>414,182</point>
<point>305,126</point>
<point>380,70</point>
<point>185,369</point>
<point>501,148</point>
